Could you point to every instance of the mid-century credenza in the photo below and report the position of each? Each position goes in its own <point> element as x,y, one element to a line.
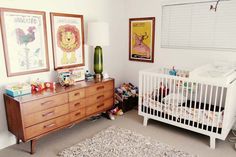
<point>32,116</point>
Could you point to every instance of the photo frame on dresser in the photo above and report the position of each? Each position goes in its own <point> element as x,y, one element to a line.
<point>68,40</point>
<point>141,39</point>
<point>24,39</point>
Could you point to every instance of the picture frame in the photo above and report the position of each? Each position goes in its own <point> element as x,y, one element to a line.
<point>142,39</point>
<point>67,40</point>
<point>24,38</point>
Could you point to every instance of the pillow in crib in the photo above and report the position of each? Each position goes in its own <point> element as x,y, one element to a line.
<point>174,99</point>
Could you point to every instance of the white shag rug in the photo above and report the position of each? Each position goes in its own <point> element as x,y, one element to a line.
<point>118,142</point>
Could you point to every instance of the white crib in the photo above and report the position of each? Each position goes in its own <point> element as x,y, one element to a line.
<point>206,107</point>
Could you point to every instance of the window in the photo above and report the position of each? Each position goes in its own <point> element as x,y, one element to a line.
<point>195,26</point>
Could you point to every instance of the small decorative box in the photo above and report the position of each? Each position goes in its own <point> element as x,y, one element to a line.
<point>18,89</point>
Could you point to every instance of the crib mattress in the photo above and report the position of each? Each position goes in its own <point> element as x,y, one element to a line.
<point>190,113</point>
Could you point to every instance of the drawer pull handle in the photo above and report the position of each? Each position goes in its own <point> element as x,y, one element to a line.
<point>77,104</point>
<point>77,94</point>
<point>100,105</point>
<point>100,87</point>
<point>47,102</point>
<point>101,96</point>
<point>77,114</point>
<point>48,114</point>
<point>49,126</point>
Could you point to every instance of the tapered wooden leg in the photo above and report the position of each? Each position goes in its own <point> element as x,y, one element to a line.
<point>32,146</point>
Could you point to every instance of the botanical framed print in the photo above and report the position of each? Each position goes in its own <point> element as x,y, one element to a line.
<point>24,39</point>
<point>141,39</point>
<point>68,40</point>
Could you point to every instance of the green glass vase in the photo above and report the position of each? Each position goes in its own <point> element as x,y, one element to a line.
<point>98,62</point>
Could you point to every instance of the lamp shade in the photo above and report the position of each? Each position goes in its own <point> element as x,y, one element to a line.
<point>98,34</point>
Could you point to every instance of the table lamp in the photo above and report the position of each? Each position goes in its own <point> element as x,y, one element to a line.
<point>98,35</point>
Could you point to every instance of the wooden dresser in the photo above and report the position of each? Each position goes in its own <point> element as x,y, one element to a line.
<point>30,117</point>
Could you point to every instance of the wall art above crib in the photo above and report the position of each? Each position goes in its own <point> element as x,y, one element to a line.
<point>24,39</point>
<point>142,39</point>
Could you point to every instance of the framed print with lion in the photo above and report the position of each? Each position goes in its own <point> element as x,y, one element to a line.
<point>24,39</point>
<point>141,39</point>
<point>68,40</point>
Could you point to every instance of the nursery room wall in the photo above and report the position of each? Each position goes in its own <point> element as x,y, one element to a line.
<point>180,58</point>
<point>101,10</point>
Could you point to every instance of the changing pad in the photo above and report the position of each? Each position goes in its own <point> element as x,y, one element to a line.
<point>219,74</point>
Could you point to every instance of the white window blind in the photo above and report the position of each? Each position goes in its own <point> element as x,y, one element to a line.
<point>195,26</point>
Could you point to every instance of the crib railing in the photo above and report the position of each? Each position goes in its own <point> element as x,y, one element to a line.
<point>184,102</point>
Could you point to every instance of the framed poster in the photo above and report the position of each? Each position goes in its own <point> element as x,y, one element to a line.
<point>24,39</point>
<point>141,39</point>
<point>68,40</point>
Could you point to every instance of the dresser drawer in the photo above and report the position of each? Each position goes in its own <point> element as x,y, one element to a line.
<point>45,115</point>
<point>78,104</point>
<point>47,126</point>
<point>99,88</point>
<point>45,103</point>
<point>100,97</point>
<point>80,113</point>
<point>77,94</point>
<point>99,106</point>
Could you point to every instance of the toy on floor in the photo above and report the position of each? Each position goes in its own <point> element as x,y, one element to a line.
<point>114,112</point>
<point>122,94</point>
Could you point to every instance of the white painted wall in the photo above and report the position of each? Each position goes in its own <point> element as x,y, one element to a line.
<point>180,58</point>
<point>111,11</point>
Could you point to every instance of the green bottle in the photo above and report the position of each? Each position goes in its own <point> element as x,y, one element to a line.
<point>98,62</point>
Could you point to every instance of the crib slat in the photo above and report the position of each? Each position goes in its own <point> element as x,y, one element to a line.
<point>220,114</point>
<point>177,112</point>
<point>209,109</point>
<point>173,100</point>
<point>195,102</point>
<point>199,107</point>
<point>182,96</point>
<point>214,110</point>
<point>166,109</point>
<point>186,115</point>
<point>190,109</point>
<point>145,92</point>
<point>154,94</point>
<point>169,105</point>
<point>158,95</point>
<point>148,91</point>
<point>161,95</point>
<point>204,107</point>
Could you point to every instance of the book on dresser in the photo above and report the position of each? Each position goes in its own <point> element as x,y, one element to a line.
<point>32,116</point>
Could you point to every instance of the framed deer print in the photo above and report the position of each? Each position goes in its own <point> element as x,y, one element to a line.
<point>24,39</point>
<point>68,40</point>
<point>141,39</point>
